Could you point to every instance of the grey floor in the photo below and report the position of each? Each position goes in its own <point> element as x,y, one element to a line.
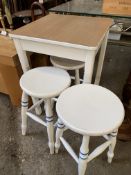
<point>29,155</point>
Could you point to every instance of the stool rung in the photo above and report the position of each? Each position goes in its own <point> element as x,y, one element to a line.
<point>65,128</point>
<point>106,137</point>
<point>37,119</point>
<point>69,149</point>
<point>35,105</point>
<point>55,99</point>
<point>73,78</point>
<point>98,150</point>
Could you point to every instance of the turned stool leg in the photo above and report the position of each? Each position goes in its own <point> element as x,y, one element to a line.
<point>24,108</point>
<point>83,157</point>
<point>77,76</point>
<point>38,108</point>
<point>110,153</point>
<point>59,133</point>
<point>50,127</point>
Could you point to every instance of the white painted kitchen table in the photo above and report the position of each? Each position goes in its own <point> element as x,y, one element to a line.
<point>68,36</point>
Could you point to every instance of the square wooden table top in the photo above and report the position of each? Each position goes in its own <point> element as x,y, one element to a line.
<point>80,30</point>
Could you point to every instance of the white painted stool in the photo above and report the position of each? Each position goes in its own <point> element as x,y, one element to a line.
<point>68,64</point>
<point>89,110</point>
<point>44,83</point>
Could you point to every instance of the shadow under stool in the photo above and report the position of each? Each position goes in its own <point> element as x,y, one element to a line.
<point>89,110</point>
<point>43,83</point>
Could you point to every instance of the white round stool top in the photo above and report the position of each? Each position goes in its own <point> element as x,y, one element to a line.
<point>66,63</point>
<point>45,82</point>
<point>90,109</point>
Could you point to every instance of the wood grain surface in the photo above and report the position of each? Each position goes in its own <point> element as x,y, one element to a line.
<point>8,54</point>
<point>7,47</point>
<point>88,31</point>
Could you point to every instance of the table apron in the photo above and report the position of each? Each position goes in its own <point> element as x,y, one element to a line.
<point>56,50</point>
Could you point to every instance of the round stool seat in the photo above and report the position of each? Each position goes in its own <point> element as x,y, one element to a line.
<point>66,63</point>
<point>45,82</point>
<point>90,109</point>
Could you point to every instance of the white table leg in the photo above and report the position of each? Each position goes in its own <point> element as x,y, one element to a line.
<point>22,56</point>
<point>83,157</point>
<point>101,59</point>
<point>89,66</point>
<point>25,67</point>
<point>50,126</point>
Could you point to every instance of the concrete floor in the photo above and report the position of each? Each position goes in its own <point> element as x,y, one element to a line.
<point>29,155</point>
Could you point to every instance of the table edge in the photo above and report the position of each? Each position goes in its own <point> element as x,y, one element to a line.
<point>79,46</point>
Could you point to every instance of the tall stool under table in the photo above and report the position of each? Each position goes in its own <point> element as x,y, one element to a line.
<point>68,64</point>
